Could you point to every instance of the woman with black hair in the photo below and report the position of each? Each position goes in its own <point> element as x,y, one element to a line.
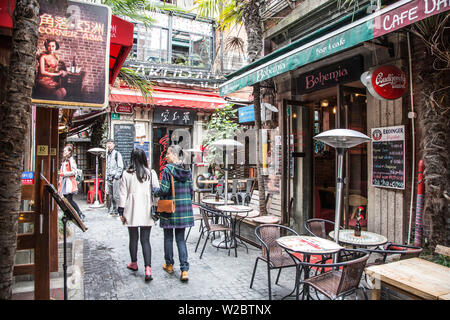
<point>67,184</point>
<point>135,203</point>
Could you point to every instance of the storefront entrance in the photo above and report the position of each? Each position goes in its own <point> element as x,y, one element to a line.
<point>312,165</point>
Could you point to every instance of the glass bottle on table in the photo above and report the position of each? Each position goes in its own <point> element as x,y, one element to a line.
<point>358,225</point>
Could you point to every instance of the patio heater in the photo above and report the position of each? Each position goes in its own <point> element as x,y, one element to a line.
<point>341,140</point>
<point>224,143</point>
<point>97,152</point>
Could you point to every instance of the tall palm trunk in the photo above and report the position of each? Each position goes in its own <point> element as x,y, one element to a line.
<point>253,28</point>
<point>14,126</point>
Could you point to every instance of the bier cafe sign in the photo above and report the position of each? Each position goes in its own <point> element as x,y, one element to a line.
<point>385,82</point>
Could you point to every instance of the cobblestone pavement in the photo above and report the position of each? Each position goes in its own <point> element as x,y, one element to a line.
<point>216,276</point>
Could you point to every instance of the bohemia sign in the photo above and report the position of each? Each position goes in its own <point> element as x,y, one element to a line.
<point>385,82</point>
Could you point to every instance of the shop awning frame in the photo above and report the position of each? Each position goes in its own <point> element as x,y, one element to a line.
<point>362,30</point>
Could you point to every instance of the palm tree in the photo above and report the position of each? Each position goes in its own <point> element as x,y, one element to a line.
<point>14,125</point>
<point>229,13</point>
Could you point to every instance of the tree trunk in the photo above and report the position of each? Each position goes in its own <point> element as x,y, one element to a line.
<point>253,28</point>
<point>14,126</point>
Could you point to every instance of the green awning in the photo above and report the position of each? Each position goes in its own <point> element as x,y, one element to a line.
<point>295,55</point>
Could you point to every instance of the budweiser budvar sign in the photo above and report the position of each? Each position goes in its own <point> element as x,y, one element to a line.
<point>385,82</point>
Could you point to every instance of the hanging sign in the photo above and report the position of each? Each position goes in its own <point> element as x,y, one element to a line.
<point>125,109</point>
<point>385,82</point>
<point>27,177</point>
<point>388,157</point>
<point>174,116</point>
<point>72,54</point>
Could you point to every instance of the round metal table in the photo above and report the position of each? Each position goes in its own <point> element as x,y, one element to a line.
<point>367,239</point>
<point>233,211</point>
<point>213,202</point>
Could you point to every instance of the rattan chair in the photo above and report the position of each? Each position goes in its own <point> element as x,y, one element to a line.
<point>319,227</point>
<point>272,253</point>
<point>197,217</point>
<point>215,222</point>
<point>344,277</point>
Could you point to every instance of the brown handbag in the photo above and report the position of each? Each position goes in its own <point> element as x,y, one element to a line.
<point>167,206</point>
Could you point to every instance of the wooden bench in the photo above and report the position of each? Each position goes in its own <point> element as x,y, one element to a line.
<point>445,251</point>
<point>273,205</point>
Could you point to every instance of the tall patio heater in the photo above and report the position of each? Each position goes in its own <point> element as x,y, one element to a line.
<point>97,152</point>
<point>227,145</point>
<point>341,140</point>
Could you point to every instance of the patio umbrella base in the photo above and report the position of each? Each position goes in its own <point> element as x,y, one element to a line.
<point>97,204</point>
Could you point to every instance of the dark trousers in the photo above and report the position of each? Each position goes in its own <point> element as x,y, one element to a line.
<point>69,198</point>
<point>181,244</point>
<point>145,243</point>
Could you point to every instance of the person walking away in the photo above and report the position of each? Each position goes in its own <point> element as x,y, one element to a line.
<point>67,184</point>
<point>183,216</point>
<point>114,169</point>
<point>135,203</point>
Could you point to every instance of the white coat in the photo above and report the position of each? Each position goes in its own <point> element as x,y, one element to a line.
<point>135,197</point>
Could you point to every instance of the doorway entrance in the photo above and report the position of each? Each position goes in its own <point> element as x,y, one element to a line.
<point>312,164</point>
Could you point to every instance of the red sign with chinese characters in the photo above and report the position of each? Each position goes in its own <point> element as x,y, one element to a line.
<point>124,109</point>
<point>389,82</point>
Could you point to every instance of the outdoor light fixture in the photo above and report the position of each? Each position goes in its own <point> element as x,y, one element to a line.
<point>334,110</point>
<point>227,145</point>
<point>324,103</point>
<point>341,139</point>
<point>294,115</point>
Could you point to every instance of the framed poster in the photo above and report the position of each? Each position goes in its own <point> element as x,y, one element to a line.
<point>388,157</point>
<point>72,66</point>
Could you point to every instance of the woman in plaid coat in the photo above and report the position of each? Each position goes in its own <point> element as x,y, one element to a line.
<point>183,216</point>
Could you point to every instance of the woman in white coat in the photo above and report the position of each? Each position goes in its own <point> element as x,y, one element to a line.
<point>135,203</point>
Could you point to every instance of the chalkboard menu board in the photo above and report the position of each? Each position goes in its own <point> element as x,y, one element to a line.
<point>124,141</point>
<point>388,157</point>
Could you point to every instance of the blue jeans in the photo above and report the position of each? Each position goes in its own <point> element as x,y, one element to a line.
<point>181,244</point>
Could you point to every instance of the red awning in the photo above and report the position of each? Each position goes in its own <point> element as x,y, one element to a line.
<point>120,45</point>
<point>170,98</point>
<point>6,13</point>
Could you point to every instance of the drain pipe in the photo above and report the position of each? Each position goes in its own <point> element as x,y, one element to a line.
<point>411,115</point>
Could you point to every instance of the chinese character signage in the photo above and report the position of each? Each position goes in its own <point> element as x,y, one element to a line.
<point>174,116</point>
<point>73,54</point>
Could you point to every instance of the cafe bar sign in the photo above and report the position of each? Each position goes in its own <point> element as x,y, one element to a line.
<point>124,109</point>
<point>328,76</point>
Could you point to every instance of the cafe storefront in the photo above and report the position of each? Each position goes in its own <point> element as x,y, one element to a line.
<point>332,79</point>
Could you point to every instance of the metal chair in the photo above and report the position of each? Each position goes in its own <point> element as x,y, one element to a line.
<point>344,277</point>
<point>209,215</point>
<point>272,253</point>
<point>201,187</point>
<point>233,195</point>
<point>245,197</point>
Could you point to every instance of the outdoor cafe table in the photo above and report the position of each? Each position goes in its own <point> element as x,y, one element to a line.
<point>307,246</point>
<point>367,239</point>
<point>415,277</point>
<point>213,202</point>
<point>232,211</point>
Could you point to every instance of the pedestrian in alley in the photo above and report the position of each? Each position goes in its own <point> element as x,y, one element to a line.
<point>114,169</point>
<point>67,184</point>
<point>135,203</point>
<point>183,216</point>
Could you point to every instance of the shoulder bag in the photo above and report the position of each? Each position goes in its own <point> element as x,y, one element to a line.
<point>167,206</point>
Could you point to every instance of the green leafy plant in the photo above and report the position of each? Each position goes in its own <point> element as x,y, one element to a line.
<point>221,126</point>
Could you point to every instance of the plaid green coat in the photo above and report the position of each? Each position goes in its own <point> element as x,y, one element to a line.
<point>183,216</point>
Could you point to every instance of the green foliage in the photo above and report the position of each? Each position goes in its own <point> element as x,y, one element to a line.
<point>136,81</point>
<point>442,260</point>
<point>221,126</point>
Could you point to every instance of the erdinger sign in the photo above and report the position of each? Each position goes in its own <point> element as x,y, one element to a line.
<point>385,82</point>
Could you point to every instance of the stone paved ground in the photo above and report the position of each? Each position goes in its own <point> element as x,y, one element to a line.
<point>216,276</point>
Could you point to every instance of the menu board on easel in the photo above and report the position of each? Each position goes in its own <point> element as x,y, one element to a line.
<point>124,141</point>
<point>388,157</point>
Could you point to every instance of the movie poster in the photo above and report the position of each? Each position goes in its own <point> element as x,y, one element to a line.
<point>73,55</point>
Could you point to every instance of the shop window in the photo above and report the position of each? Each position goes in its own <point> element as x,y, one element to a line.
<point>80,153</point>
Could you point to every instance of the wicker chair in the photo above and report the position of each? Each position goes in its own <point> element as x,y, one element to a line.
<point>319,227</point>
<point>209,215</point>
<point>344,277</point>
<point>272,253</point>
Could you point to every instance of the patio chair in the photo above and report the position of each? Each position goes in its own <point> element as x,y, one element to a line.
<point>233,195</point>
<point>223,224</point>
<point>201,187</point>
<point>272,253</point>
<point>319,227</point>
<point>344,277</point>
<point>196,218</point>
<point>245,197</point>
<point>220,188</point>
